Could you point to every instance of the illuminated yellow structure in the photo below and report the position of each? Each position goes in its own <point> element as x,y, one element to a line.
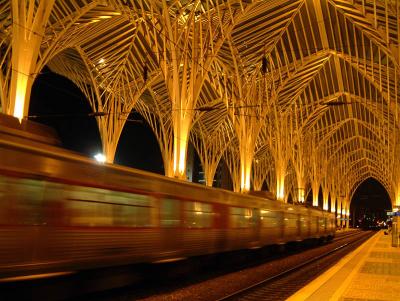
<point>292,94</point>
<point>333,201</point>
<point>27,35</point>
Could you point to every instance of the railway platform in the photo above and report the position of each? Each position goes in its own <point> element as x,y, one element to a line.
<point>371,272</point>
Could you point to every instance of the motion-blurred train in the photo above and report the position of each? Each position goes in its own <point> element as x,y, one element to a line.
<point>60,211</point>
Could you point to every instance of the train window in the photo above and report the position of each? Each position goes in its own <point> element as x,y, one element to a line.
<point>132,216</point>
<point>170,213</point>
<point>6,204</point>
<point>127,198</point>
<point>303,222</point>
<point>240,217</point>
<point>321,222</point>
<point>198,215</point>
<point>27,198</point>
<point>86,193</point>
<point>132,210</point>
<point>89,213</point>
<point>100,207</point>
<point>291,220</point>
<point>269,219</point>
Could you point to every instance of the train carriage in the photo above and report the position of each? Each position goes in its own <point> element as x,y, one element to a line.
<point>61,211</point>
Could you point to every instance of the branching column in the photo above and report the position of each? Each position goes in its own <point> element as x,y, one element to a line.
<point>110,127</point>
<point>247,120</point>
<point>315,174</point>
<point>396,202</point>
<point>184,61</point>
<point>315,189</point>
<point>325,194</point>
<point>247,129</point>
<point>333,200</point>
<point>210,149</point>
<point>113,113</point>
<point>111,104</point>
<point>396,177</point>
<point>261,169</point>
<point>183,79</point>
<point>280,166</point>
<point>231,154</point>
<point>161,125</point>
<point>344,209</point>
<point>299,163</point>
<point>346,212</point>
<point>339,212</point>
<point>334,189</point>
<point>279,149</point>
<point>301,183</point>
<point>29,20</point>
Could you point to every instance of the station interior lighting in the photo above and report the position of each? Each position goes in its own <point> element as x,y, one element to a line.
<point>100,158</point>
<point>301,195</point>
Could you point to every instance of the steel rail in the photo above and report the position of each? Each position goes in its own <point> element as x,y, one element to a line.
<point>254,287</point>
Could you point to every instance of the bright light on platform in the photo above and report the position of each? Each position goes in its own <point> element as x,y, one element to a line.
<point>100,158</point>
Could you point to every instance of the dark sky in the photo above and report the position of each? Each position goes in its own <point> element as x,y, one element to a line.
<point>371,200</point>
<point>61,105</point>
<point>372,194</point>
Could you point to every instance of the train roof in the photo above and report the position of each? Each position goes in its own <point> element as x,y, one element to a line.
<point>51,162</point>
<point>12,128</point>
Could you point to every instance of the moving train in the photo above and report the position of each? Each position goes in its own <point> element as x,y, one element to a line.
<point>60,211</point>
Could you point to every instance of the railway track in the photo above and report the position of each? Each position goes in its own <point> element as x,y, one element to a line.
<point>345,234</point>
<point>49,289</point>
<point>284,284</point>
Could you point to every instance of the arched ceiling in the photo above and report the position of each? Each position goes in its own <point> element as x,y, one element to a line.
<point>323,75</point>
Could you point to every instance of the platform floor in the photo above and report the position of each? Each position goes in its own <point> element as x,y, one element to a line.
<point>371,272</point>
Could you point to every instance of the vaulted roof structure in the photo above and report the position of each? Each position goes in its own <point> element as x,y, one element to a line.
<point>300,94</point>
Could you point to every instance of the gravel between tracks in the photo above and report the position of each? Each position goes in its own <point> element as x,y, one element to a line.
<point>220,286</point>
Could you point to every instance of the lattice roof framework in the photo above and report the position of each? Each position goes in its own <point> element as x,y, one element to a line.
<point>312,82</point>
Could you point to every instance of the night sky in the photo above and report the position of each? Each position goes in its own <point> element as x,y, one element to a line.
<point>61,105</point>
<point>370,200</point>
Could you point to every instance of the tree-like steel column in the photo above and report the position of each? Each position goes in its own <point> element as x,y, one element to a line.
<point>262,167</point>
<point>395,195</point>
<point>300,160</point>
<point>325,195</point>
<point>325,182</point>
<point>339,213</point>
<point>247,129</point>
<point>248,119</point>
<point>210,148</point>
<point>33,46</point>
<point>184,60</point>
<point>230,156</point>
<point>5,55</point>
<point>347,213</point>
<point>29,20</point>
<point>279,148</point>
<point>333,191</point>
<point>161,124</point>
<point>315,174</point>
